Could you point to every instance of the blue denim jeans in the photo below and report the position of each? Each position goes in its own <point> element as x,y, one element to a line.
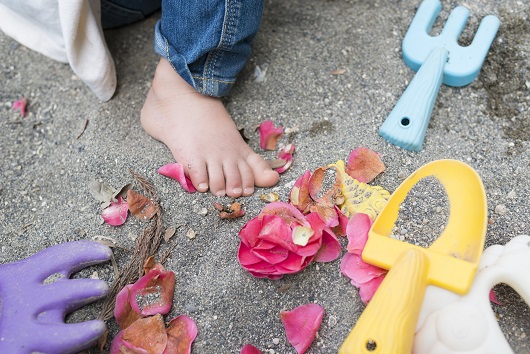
<point>117,13</point>
<point>208,41</point>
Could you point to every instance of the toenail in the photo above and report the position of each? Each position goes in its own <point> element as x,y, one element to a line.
<point>203,186</point>
<point>221,193</point>
<point>237,190</point>
<point>249,190</point>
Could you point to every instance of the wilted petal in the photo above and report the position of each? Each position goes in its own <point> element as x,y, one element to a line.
<point>250,349</point>
<point>181,333</point>
<point>330,248</point>
<point>299,195</point>
<point>153,293</point>
<point>301,325</point>
<point>493,298</point>
<point>340,229</point>
<point>231,211</point>
<point>123,312</point>
<point>286,154</point>
<point>116,213</point>
<point>357,270</point>
<point>364,165</point>
<point>269,135</point>
<point>21,106</point>
<point>140,206</point>
<point>148,333</point>
<point>368,289</point>
<point>357,232</point>
<point>176,171</point>
<point>287,212</point>
<point>121,346</point>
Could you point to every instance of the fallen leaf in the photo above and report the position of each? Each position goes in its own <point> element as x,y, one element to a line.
<point>231,211</point>
<point>337,72</point>
<point>101,191</point>
<point>269,135</point>
<point>170,232</point>
<point>20,105</point>
<point>140,206</point>
<point>176,171</point>
<point>116,213</point>
<point>301,325</point>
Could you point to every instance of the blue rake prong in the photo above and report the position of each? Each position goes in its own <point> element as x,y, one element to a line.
<point>437,59</point>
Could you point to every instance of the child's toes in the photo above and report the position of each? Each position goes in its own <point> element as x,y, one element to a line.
<point>217,180</point>
<point>234,187</point>
<point>247,178</point>
<point>264,175</point>
<point>199,176</point>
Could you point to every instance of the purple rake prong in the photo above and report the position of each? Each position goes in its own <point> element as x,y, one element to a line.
<point>33,305</point>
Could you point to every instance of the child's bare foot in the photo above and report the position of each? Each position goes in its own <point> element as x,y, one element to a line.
<point>202,137</point>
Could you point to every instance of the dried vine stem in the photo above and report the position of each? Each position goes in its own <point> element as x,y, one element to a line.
<point>147,244</point>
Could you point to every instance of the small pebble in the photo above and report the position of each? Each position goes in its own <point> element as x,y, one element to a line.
<point>402,175</point>
<point>190,234</point>
<point>276,341</point>
<point>512,195</point>
<point>501,209</point>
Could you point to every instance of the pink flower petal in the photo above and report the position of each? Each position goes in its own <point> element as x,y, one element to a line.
<point>356,269</point>
<point>493,298</point>
<point>153,293</point>
<point>301,325</point>
<point>290,214</point>
<point>357,232</point>
<point>269,135</point>
<point>364,165</point>
<point>176,171</point>
<point>330,249</point>
<point>119,346</point>
<point>286,154</point>
<point>250,349</point>
<point>21,106</point>
<point>340,229</point>
<point>368,289</point>
<point>116,213</point>
<point>181,333</point>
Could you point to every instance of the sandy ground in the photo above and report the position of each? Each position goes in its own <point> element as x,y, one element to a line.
<point>46,167</point>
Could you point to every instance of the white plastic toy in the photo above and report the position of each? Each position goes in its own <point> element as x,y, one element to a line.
<point>451,323</point>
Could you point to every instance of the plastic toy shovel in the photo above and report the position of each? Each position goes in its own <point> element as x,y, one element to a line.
<point>388,323</point>
<point>439,59</point>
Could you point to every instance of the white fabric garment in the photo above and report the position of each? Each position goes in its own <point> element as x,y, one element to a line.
<point>68,31</point>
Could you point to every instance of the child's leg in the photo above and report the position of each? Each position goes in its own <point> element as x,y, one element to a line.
<point>203,46</point>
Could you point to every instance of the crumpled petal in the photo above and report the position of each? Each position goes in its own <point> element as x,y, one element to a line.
<point>116,213</point>
<point>358,270</point>
<point>364,164</point>
<point>269,135</point>
<point>250,349</point>
<point>285,154</point>
<point>340,229</point>
<point>357,232</point>
<point>140,206</point>
<point>181,333</point>
<point>21,106</point>
<point>301,325</point>
<point>291,215</point>
<point>147,334</point>
<point>299,195</point>
<point>330,249</point>
<point>176,171</point>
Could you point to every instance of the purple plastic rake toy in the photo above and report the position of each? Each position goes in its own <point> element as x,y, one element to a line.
<point>33,305</point>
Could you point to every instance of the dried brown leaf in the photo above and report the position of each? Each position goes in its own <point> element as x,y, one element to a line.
<point>170,232</point>
<point>141,206</point>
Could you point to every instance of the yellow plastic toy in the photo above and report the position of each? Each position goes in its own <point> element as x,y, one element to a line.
<point>388,323</point>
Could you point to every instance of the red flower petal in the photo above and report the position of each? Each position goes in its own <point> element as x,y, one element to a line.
<point>21,106</point>
<point>116,213</point>
<point>364,165</point>
<point>123,312</point>
<point>176,171</point>
<point>493,298</point>
<point>368,289</point>
<point>250,349</point>
<point>357,270</point>
<point>330,249</point>
<point>357,232</point>
<point>286,154</point>
<point>301,325</point>
<point>269,135</point>
<point>181,333</point>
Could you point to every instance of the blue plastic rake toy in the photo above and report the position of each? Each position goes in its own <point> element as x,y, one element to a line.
<point>439,59</point>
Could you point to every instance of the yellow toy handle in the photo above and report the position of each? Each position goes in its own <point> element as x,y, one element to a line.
<point>390,317</point>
